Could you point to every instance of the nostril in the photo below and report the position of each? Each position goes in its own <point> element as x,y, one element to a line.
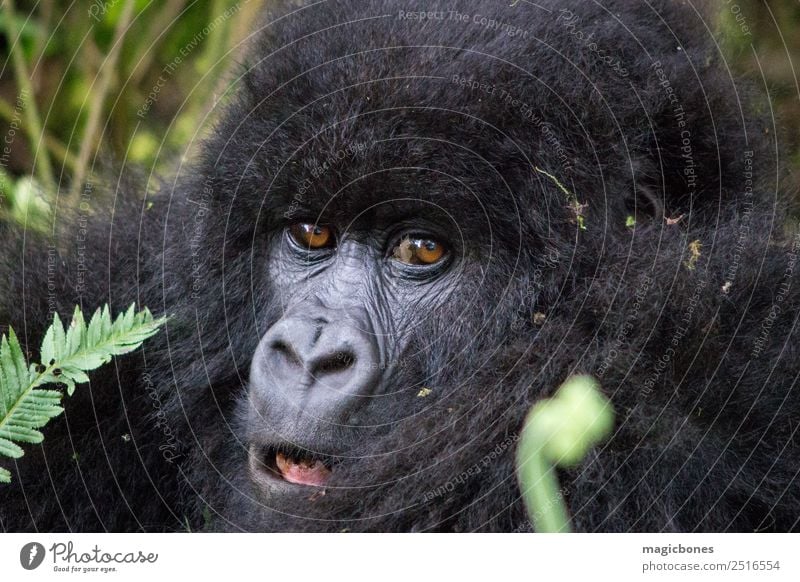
<point>286,352</point>
<point>336,362</point>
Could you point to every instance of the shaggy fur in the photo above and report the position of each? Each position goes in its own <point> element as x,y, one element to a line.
<point>689,320</point>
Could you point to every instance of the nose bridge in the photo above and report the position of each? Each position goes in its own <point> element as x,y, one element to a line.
<point>346,286</point>
<point>318,318</point>
<point>297,335</point>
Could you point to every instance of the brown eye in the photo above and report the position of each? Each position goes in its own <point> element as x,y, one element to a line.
<point>312,236</point>
<point>419,251</point>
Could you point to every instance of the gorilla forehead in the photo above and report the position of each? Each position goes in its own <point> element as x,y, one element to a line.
<point>379,107</point>
<point>354,197</point>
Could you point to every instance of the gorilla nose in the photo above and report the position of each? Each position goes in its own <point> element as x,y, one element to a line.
<point>325,362</point>
<point>329,364</point>
<point>315,361</point>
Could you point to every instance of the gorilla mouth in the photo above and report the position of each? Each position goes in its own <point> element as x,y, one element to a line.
<point>290,464</point>
<point>302,471</point>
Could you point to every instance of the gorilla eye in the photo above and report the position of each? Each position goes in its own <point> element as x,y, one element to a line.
<point>418,251</point>
<point>312,236</point>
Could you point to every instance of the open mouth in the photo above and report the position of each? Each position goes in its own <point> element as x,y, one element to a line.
<point>290,464</point>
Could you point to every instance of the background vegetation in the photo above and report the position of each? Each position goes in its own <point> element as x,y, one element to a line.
<point>136,81</point>
<point>88,82</point>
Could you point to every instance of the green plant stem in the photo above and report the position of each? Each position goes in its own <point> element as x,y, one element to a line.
<point>212,53</point>
<point>43,169</point>
<point>542,496</point>
<point>217,42</point>
<point>97,103</point>
<point>164,20</point>
<point>41,42</point>
<point>56,148</point>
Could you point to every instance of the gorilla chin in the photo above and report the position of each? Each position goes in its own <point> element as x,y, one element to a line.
<point>398,238</point>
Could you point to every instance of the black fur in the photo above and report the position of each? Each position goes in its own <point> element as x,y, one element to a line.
<point>698,350</point>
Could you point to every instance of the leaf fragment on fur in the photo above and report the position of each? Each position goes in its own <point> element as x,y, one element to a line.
<point>694,254</point>
<point>577,207</point>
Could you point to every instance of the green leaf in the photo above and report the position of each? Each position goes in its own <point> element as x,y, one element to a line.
<point>76,331</point>
<point>66,355</point>
<point>9,449</point>
<point>52,342</point>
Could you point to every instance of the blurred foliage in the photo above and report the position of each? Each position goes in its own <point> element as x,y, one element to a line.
<point>559,432</point>
<point>136,81</point>
<point>762,42</point>
<point>133,81</point>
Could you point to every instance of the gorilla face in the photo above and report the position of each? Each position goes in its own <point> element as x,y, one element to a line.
<point>327,374</point>
<point>375,294</point>
<point>382,285</point>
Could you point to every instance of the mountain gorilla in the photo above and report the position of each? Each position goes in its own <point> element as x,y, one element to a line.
<point>412,221</point>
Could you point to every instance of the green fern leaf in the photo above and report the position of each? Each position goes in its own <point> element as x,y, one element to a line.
<point>66,354</point>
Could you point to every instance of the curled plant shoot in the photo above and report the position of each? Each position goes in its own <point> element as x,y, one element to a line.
<point>559,432</point>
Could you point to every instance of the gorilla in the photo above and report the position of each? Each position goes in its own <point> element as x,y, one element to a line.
<point>411,222</point>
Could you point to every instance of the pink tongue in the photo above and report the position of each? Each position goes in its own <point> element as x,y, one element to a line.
<point>302,473</point>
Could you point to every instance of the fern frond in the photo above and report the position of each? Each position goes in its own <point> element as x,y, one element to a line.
<point>66,355</point>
